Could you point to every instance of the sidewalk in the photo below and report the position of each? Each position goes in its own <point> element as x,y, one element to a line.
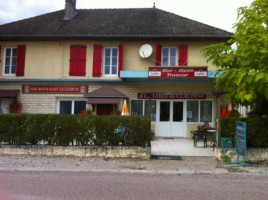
<point>188,165</point>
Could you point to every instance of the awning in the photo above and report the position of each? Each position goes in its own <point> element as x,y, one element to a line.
<point>9,93</point>
<point>103,100</point>
<point>105,95</point>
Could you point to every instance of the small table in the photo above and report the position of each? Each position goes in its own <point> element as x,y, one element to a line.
<point>213,142</point>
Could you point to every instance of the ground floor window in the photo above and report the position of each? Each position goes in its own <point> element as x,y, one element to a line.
<point>69,106</point>
<point>140,107</point>
<point>199,111</point>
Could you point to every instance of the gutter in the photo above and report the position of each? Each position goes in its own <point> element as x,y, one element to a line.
<point>118,37</point>
<point>60,80</point>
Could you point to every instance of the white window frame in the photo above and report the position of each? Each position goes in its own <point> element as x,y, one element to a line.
<point>67,99</point>
<point>176,56</point>
<point>199,109</point>
<point>143,106</point>
<point>110,64</point>
<point>10,65</point>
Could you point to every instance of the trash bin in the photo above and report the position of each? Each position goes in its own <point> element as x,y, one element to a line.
<point>226,142</point>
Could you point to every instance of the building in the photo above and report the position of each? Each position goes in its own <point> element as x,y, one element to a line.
<point>65,61</point>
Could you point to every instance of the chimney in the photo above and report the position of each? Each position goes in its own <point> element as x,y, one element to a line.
<point>70,9</point>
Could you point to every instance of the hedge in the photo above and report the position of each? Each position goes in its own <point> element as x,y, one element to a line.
<point>257,130</point>
<point>64,130</point>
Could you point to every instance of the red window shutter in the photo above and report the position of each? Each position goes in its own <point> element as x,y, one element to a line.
<point>183,55</point>
<point>120,59</point>
<point>158,52</point>
<point>82,60</point>
<point>78,60</point>
<point>21,51</point>
<point>97,60</point>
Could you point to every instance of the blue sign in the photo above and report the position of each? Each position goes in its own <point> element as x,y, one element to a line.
<point>241,138</point>
<point>241,145</point>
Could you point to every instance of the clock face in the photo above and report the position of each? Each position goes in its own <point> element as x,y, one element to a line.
<point>145,51</point>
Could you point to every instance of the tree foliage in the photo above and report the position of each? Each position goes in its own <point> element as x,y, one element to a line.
<point>243,60</point>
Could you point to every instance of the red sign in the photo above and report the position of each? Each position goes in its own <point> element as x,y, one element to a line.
<point>178,72</point>
<point>172,96</point>
<point>54,89</point>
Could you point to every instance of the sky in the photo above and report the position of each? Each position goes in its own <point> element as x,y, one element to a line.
<point>218,13</point>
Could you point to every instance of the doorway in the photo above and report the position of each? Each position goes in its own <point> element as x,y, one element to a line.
<point>171,119</point>
<point>104,109</point>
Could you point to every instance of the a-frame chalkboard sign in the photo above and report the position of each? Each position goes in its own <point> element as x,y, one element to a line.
<point>241,144</point>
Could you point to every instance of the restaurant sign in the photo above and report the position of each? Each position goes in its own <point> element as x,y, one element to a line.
<point>54,89</point>
<point>172,96</point>
<point>178,72</point>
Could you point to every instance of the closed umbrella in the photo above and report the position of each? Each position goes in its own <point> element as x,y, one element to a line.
<point>124,109</point>
<point>221,111</point>
<point>226,111</point>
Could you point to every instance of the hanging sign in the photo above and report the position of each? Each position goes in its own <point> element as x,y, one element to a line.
<point>178,72</point>
<point>172,96</point>
<point>54,89</point>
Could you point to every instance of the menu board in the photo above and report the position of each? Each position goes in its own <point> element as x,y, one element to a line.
<point>241,138</point>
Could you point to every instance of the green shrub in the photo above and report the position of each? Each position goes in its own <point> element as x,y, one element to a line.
<point>64,130</point>
<point>257,130</point>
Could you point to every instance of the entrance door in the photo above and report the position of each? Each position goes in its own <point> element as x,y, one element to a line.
<point>170,121</point>
<point>5,102</point>
<point>104,109</point>
<point>177,125</point>
<point>164,128</point>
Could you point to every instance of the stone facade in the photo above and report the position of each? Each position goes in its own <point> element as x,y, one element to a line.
<point>79,151</point>
<point>47,103</point>
<point>253,154</point>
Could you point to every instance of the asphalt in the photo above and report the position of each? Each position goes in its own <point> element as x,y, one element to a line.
<point>187,165</point>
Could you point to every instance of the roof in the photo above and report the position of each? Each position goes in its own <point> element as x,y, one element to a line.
<point>132,23</point>
<point>105,92</point>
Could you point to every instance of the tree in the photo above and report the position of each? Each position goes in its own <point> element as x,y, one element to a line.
<point>243,60</point>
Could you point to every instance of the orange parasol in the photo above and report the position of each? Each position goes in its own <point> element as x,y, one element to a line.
<point>124,109</point>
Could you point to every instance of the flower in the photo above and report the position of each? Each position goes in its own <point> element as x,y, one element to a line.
<point>15,106</point>
<point>85,112</point>
<point>234,113</point>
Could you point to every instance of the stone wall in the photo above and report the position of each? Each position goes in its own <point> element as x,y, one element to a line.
<point>79,151</point>
<point>253,154</point>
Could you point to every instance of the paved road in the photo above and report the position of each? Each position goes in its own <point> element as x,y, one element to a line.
<point>64,185</point>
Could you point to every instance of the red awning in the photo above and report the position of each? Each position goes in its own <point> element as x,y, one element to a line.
<point>9,93</point>
<point>103,100</point>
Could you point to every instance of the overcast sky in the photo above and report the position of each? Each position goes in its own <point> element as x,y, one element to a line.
<point>218,13</point>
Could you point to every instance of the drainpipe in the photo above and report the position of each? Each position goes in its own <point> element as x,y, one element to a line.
<point>149,113</point>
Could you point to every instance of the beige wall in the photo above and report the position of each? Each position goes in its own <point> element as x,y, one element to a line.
<point>50,59</point>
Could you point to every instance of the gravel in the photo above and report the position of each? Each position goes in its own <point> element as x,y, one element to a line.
<point>188,165</point>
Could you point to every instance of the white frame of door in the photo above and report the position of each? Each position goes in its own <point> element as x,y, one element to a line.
<point>184,129</point>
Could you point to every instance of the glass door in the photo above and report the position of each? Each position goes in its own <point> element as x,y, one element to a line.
<point>164,119</point>
<point>177,124</point>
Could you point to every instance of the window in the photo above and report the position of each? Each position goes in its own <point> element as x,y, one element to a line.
<point>111,61</point>
<point>153,103</point>
<point>66,106</point>
<point>192,111</point>
<point>10,61</point>
<point>140,107</point>
<point>206,111</point>
<point>169,56</point>
<point>137,107</point>
<point>199,111</point>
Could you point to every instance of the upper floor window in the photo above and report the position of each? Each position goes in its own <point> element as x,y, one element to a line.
<point>169,56</point>
<point>111,61</point>
<point>10,61</point>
